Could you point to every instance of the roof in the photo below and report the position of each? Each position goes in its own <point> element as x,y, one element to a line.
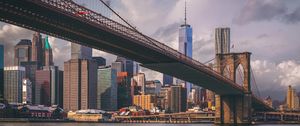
<point>24,42</point>
<point>47,44</point>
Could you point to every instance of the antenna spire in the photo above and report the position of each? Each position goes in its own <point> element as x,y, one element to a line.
<point>185,12</point>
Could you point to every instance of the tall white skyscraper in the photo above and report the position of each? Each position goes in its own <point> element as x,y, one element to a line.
<point>222,38</point>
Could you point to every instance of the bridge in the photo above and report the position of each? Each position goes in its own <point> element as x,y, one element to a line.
<point>60,18</point>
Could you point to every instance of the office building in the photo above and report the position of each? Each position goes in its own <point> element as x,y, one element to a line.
<point>167,79</point>
<point>186,46</point>
<point>30,68</point>
<point>292,100</point>
<point>22,52</point>
<point>222,40</point>
<point>37,53</point>
<point>48,59</point>
<point>107,89</point>
<point>13,76</point>
<point>80,84</point>
<point>80,52</point>
<point>153,87</point>
<point>26,91</point>
<point>146,102</point>
<point>138,84</point>
<point>100,61</point>
<point>1,71</point>
<point>43,83</point>
<point>164,99</point>
<point>178,99</point>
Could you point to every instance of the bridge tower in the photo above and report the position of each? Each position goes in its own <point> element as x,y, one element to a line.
<point>234,109</point>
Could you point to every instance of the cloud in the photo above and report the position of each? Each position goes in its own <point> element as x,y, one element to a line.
<point>10,35</point>
<point>293,17</point>
<point>260,10</point>
<point>273,79</point>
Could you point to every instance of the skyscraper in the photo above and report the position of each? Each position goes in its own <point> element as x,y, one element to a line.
<point>167,79</point>
<point>80,82</point>
<point>22,52</point>
<point>37,49</point>
<point>26,91</point>
<point>107,89</point>
<point>178,99</point>
<point>13,76</point>
<point>186,45</point>
<point>222,40</point>
<point>292,100</point>
<point>1,71</point>
<point>80,52</point>
<point>48,53</point>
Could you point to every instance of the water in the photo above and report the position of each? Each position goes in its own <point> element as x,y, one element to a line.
<point>116,124</point>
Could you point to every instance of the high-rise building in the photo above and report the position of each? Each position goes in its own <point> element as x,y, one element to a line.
<point>48,53</point>
<point>37,49</point>
<point>1,71</point>
<point>153,87</point>
<point>146,102</point>
<point>292,99</point>
<point>30,68</point>
<point>80,84</point>
<point>222,40</point>
<point>164,99</point>
<point>80,52</point>
<point>100,61</point>
<point>186,46</point>
<point>26,91</point>
<point>178,99</point>
<point>167,79</point>
<point>42,89</point>
<point>13,76</point>
<point>138,84</point>
<point>107,89</point>
<point>22,52</point>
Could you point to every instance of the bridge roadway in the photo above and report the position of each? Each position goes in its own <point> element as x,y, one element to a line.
<point>60,18</point>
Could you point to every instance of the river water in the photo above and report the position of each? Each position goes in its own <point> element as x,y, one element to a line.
<point>115,124</point>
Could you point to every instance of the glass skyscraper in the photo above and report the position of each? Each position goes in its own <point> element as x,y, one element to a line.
<point>1,71</point>
<point>186,47</point>
<point>13,83</point>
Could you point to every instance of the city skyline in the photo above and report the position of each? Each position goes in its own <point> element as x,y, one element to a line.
<point>274,65</point>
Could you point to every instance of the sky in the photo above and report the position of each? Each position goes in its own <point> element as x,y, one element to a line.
<point>269,29</point>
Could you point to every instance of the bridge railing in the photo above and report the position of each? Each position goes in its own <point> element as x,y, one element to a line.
<point>115,27</point>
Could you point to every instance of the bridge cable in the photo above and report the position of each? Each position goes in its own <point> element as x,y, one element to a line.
<point>146,37</point>
<point>254,80</point>
<point>209,60</point>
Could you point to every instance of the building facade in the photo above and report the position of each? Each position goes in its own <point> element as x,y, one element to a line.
<point>80,52</point>
<point>107,89</point>
<point>146,102</point>
<point>22,52</point>
<point>178,99</point>
<point>1,71</point>
<point>80,84</point>
<point>292,99</point>
<point>13,76</point>
<point>26,91</point>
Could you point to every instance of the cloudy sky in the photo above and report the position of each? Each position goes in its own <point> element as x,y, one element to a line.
<point>270,29</point>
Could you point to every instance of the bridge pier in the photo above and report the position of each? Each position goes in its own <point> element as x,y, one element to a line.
<point>233,109</point>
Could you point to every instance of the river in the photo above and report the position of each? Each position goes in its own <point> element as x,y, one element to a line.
<point>114,124</point>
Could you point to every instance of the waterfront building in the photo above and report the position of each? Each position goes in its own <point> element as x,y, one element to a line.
<point>292,100</point>
<point>178,99</point>
<point>13,76</point>
<point>22,52</point>
<point>107,89</point>
<point>268,101</point>
<point>26,91</point>
<point>222,40</point>
<point>147,102</point>
<point>80,84</point>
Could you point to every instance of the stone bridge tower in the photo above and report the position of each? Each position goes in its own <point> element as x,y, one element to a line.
<point>234,109</point>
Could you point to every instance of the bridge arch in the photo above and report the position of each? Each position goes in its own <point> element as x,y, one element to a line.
<point>233,62</point>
